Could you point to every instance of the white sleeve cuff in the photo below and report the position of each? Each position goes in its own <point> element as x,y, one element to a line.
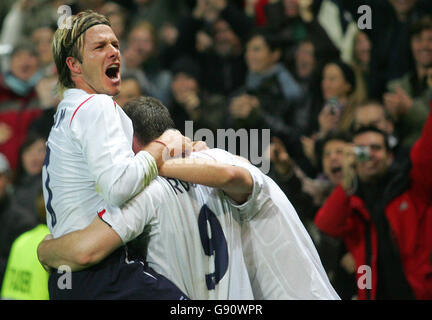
<point>149,162</point>
<point>249,209</point>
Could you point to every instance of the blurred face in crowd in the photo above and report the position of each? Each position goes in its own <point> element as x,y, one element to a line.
<point>117,22</point>
<point>99,71</point>
<point>332,160</point>
<point>225,40</point>
<point>116,16</point>
<point>91,4</point>
<point>291,8</point>
<point>305,60</point>
<point>142,1</point>
<point>380,157</point>
<point>33,157</point>
<point>372,115</point>
<point>259,57</point>
<point>141,40</point>
<point>421,46</point>
<point>129,89</point>
<point>362,48</point>
<point>402,7</point>
<point>23,65</point>
<point>42,38</point>
<point>183,84</point>
<point>333,84</point>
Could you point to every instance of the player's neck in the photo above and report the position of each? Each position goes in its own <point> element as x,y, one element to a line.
<point>81,84</point>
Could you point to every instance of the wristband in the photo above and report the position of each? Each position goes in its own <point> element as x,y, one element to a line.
<point>161,142</point>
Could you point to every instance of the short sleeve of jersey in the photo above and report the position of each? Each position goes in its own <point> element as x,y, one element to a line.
<point>246,209</point>
<point>129,220</point>
<point>104,133</point>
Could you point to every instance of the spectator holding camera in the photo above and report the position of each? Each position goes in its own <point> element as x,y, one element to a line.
<point>373,113</point>
<point>339,90</point>
<point>384,215</point>
<point>339,95</point>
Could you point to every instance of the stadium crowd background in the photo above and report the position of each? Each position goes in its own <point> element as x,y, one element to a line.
<point>302,68</point>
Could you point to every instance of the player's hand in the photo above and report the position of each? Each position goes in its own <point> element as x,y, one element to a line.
<point>46,267</point>
<point>199,146</point>
<point>176,145</point>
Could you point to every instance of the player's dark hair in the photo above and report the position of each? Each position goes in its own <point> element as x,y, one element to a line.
<point>150,118</point>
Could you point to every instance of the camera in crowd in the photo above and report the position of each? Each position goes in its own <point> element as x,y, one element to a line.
<point>334,105</point>
<point>362,153</point>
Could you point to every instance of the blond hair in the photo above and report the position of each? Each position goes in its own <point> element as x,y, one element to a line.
<point>69,42</point>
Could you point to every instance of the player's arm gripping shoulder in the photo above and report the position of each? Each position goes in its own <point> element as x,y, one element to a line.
<point>234,181</point>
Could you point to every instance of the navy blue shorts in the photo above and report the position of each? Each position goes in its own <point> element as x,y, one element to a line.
<point>114,279</point>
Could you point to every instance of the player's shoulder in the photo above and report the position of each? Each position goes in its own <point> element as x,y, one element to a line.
<point>215,154</point>
<point>97,102</point>
<point>87,106</point>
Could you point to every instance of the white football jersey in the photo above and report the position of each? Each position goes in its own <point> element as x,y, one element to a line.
<point>194,237</point>
<point>90,166</point>
<point>282,261</point>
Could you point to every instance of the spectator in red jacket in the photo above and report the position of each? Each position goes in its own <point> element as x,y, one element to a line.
<point>19,104</point>
<point>385,216</point>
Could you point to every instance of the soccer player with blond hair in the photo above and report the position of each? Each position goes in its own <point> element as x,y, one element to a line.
<point>90,168</point>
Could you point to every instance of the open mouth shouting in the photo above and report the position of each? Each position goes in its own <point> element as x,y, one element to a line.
<point>113,73</point>
<point>336,174</point>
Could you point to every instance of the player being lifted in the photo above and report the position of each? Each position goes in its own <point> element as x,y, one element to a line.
<point>90,167</point>
<point>176,215</point>
<point>179,245</point>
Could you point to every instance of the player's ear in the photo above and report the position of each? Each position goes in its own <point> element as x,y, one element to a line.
<point>136,145</point>
<point>74,65</point>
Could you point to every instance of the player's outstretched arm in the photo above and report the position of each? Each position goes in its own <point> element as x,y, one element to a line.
<point>235,181</point>
<point>79,249</point>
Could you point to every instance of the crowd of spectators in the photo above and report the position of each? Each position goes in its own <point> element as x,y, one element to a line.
<point>302,68</point>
